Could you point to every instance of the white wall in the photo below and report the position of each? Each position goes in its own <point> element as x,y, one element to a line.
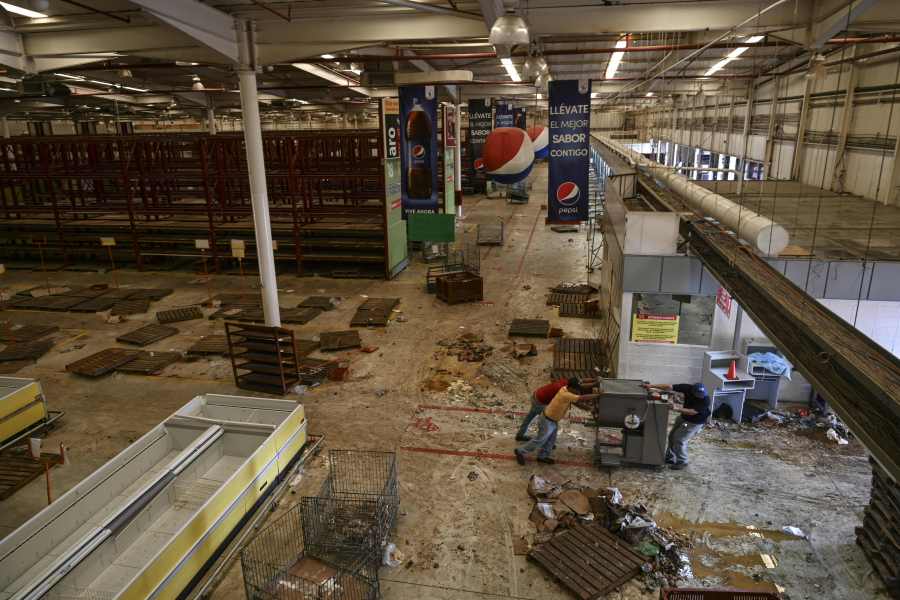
<point>867,172</point>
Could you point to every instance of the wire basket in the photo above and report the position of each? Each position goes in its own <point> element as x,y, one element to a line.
<point>279,564</point>
<point>366,476</point>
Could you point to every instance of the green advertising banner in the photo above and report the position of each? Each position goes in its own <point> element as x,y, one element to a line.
<point>396,255</point>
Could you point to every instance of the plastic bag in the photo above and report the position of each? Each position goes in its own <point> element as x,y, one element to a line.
<point>391,557</point>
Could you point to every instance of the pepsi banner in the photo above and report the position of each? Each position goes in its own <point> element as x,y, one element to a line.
<point>480,123</point>
<point>570,128</point>
<point>519,118</point>
<point>503,115</point>
<point>418,149</point>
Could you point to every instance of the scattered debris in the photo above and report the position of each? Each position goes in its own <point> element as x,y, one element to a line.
<point>369,349</point>
<point>834,436</point>
<point>523,350</point>
<point>794,531</point>
<point>473,475</point>
<point>469,347</point>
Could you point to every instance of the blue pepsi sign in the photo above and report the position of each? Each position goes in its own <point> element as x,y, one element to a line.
<point>503,115</point>
<point>570,130</point>
<point>418,149</point>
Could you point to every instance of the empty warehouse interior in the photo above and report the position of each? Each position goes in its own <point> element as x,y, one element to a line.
<point>449,299</point>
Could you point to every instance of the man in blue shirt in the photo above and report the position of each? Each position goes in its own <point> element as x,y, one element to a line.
<point>694,412</point>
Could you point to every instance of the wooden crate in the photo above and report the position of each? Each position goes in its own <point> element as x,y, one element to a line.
<point>455,288</point>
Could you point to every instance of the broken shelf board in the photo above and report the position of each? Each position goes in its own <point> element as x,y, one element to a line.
<point>150,294</point>
<point>18,469</point>
<point>147,335</point>
<point>588,560</point>
<point>321,302</point>
<point>529,328</point>
<point>98,304</point>
<point>132,306</point>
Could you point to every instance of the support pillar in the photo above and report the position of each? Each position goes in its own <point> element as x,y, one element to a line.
<point>4,122</point>
<point>211,121</point>
<point>259,194</point>
<point>457,177</point>
<point>840,162</point>
<point>770,133</point>
<point>745,135</point>
<point>799,146</point>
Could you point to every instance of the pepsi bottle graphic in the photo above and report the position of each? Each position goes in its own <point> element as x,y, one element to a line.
<point>418,153</point>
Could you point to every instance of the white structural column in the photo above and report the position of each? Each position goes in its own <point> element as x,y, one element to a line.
<point>5,125</point>
<point>259,194</point>
<point>458,163</point>
<point>745,136</point>
<point>211,121</point>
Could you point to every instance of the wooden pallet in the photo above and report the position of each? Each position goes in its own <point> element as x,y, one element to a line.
<point>558,298</point>
<point>576,357</point>
<point>588,560</point>
<point>25,333</point>
<point>374,312</point>
<point>25,350</point>
<point>579,310</point>
<point>153,294</point>
<point>176,315</point>
<point>529,328</point>
<point>52,303</point>
<point>210,344</point>
<point>147,335</point>
<point>98,304</point>
<point>320,302</point>
<point>581,289</point>
<point>103,362</point>
<point>339,340</point>
<point>132,306</point>
<point>149,363</point>
<point>18,469</point>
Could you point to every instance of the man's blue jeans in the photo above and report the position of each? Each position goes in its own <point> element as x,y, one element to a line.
<point>536,409</point>
<point>545,439</point>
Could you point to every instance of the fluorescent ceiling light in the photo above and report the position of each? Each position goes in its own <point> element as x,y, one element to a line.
<point>300,100</point>
<point>733,55</point>
<point>133,89</point>
<point>511,69</point>
<point>25,12</point>
<point>328,56</point>
<point>67,76</point>
<point>615,59</point>
<point>331,76</point>
<point>648,95</point>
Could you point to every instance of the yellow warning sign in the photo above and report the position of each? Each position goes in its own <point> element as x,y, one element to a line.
<point>662,329</point>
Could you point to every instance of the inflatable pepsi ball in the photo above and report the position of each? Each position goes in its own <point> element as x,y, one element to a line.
<point>508,155</point>
<point>540,139</point>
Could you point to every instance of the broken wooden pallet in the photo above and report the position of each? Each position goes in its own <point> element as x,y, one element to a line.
<point>339,340</point>
<point>103,362</point>
<point>580,310</point>
<point>559,298</point>
<point>25,333</point>
<point>374,312</point>
<point>210,344</point>
<point>577,357</point>
<point>18,469</point>
<point>132,306</point>
<point>25,350</point>
<point>176,315</point>
<point>149,363</point>
<point>321,302</point>
<point>588,560</point>
<point>147,335</point>
<point>529,328</point>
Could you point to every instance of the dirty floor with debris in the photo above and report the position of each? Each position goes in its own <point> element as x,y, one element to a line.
<point>464,501</point>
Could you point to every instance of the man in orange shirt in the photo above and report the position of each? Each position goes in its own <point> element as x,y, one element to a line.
<point>540,398</point>
<point>548,424</point>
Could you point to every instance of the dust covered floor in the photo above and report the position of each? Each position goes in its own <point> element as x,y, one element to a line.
<point>463,497</point>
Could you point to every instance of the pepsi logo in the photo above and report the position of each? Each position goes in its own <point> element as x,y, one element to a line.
<point>418,151</point>
<point>479,164</point>
<point>568,193</point>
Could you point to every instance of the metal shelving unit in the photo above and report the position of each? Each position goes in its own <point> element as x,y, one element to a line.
<point>262,358</point>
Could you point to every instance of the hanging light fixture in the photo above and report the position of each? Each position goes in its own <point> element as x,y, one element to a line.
<point>197,85</point>
<point>508,31</point>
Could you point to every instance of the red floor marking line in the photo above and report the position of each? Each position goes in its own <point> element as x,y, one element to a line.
<point>487,455</point>
<point>490,411</point>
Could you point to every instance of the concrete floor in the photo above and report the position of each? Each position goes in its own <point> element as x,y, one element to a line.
<point>463,498</point>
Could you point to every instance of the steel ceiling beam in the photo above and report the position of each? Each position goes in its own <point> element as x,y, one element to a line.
<point>208,26</point>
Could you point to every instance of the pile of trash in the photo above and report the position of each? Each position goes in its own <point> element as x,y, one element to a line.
<point>560,506</point>
<point>469,347</point>
<point>460,392</point>
<point>803,418</point>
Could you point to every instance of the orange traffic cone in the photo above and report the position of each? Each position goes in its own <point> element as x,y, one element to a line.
<point>732,371</point>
